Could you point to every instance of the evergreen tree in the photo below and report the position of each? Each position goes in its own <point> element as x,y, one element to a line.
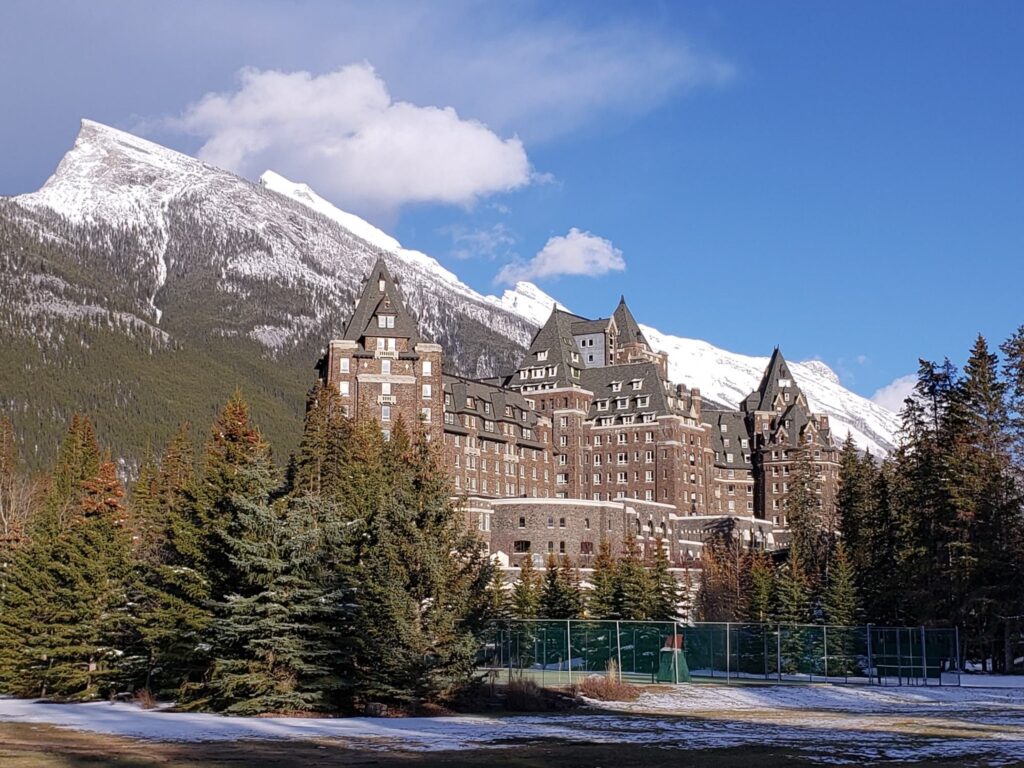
<point>633,586</point>
<point>804,513</point>
<point>664,599</point>
<point>601,602</point>
<point>793,592</point>
<point>526,591</point>
<point>319,466</point>
<point>498,599</point>
<point>560,595</point>
<point>760,603</point>
<point>78,460</point>
<point>721,595</point>
<point>841,604</point>
<point>66,622</point>
<point>422,580</point>
<point>279,634</point>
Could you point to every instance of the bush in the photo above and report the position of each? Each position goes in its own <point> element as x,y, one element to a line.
<point>608,687</point>
<point>145,698</point>
<point>525,696</point>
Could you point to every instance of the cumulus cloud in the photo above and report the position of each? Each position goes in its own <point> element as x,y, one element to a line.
<point>892,395</point>
<point>577,253</point>
<point>342,133</point>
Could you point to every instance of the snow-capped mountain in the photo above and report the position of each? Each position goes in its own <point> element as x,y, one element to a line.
<point>192,279</point>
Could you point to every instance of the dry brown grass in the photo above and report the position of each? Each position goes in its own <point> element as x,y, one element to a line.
<point>608,687</point>
<point>525,696</point>
<point>144,698</point>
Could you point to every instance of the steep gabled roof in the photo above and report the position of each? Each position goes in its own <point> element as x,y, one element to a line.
<point>600,381</point>
<point>374,302</point>
<point>777,379</point>
<point>629,329</point>
<point>555,337</point>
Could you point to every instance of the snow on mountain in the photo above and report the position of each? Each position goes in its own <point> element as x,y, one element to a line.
<point>526,299</point>
<point>318,254</point>
<point>727,378</point>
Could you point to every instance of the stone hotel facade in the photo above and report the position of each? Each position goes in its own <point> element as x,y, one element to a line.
<point>586,440</point>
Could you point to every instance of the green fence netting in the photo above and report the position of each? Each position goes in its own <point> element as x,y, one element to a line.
<point>557,650</point>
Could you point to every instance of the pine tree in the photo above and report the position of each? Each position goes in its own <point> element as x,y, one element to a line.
<point>793,592</point>
<point>78,460</point>
<point>841,604</point>
<point>323,452</point>
<point>664,600</point>
<point>422,581</point>
<point>279,635</point>
<point>526,591</point>
<point>66,622</point>
<point>499,608</point>
<point>553,600</point>
<point>760,603</point>
<point>633,586</point>
<point>601,602</point>
<point>805,516</point>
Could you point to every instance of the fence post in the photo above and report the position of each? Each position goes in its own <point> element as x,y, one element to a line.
<point>618,648</point>
<point>778,652</point>
<point>870,664</point>
<point>824,640</point>
<point>675,652</point>
<point>568,646</point>
<point>959,668</point>
<point>728,651</point>
<point>924,657</point>
<point>899,660</point>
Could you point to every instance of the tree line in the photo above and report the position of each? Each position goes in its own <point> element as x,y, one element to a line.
<point>932,535</point>
<point>231,586</point>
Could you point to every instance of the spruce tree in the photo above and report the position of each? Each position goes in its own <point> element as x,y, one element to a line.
<point>633,586</point>
<point>422,579</point>
<point>499,608</point>
<point>327,434</point>
<point>278,635</point>
<point>553,598</point>
<point>66,622</point>
<point>760,603</point>
<point>78,460</point>
<point>601,602</point>
<point>805,516</point>
<point>526,591</point>
<point>841,604</point>
<point>664,600</point>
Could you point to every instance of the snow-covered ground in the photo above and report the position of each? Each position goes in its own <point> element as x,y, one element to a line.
<point>833,724</point>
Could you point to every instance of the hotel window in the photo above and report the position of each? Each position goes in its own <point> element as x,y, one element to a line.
<point>428,368</point>
<point>425,413</point>
<point>385,413</point>
<point>616,386</point>
<point>343,365</point>
<point>385,321</point>
<point>343,388</point>
<point>520,547</point>
<point>427,391</point>
<point>542,356</point>
<point>385,367</point>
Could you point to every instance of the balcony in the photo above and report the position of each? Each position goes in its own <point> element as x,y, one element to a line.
<point>385,354</point>
<point>386,400</point>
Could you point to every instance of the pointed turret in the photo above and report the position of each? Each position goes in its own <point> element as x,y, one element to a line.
<point>381,310</point>
<point>629,329</point>
<point>777,382</point>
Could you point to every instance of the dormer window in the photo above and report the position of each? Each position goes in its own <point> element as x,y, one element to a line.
<point>385,321</point>
<point>616,386</point>
<point>725,428</point>
<point>381,285</point>
<point>470,402</point>
<point>542,356</point>
<point>638,383</point>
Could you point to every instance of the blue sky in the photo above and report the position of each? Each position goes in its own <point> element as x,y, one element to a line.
<point>845,180</point>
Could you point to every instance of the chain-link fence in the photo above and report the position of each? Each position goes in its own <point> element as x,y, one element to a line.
<point>556,651</point>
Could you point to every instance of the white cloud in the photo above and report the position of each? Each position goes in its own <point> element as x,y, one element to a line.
<point>342,133</point>
<point>577,253</point>
<point>892,395</point>
<point>492,242</point>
